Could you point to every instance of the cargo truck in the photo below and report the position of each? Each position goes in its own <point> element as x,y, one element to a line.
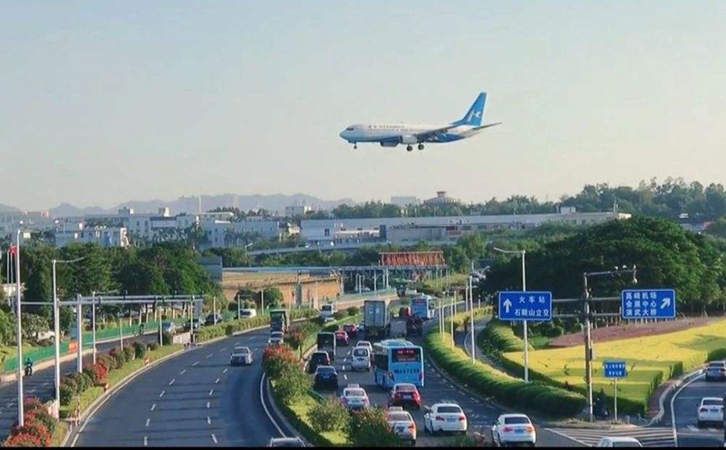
<point>376,319</point>
<point>326,343</point>
<point>279,321</point>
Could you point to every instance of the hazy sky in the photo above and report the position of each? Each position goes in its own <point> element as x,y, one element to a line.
<point>109,101</point>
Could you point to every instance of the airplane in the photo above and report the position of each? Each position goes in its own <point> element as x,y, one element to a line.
<point>392,135</point>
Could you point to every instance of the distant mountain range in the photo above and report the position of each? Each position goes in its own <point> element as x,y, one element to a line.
<point>273,203</point>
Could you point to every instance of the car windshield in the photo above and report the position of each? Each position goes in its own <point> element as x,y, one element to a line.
<point>625,444</point>
<point>712,402</point>
<point>449,409</point>
<point>355,393</point>
<point>716,365</point>
<point>241,350</point>
<point>405,388</point>
<point>360,352</point>
<point>326,370</point>
<point>399,417</point>
<point>515,420</point>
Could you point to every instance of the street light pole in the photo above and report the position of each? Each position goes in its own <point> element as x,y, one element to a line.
<point>56,338</point>
<point>18,319</point>
<point>471,299</point>
<point>524,322</point>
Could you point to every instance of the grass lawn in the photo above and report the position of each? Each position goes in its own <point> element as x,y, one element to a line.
<point>457,279</point>
<point>59,434</point>
<point>650,361</point>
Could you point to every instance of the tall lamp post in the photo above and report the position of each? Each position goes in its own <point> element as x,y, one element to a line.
<point>524,322</point>
<point>56,325</point>
<point>587,315</point>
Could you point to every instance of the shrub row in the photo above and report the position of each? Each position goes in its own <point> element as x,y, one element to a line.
<point>498,337</point>
<point>229,328</point>
<point>536,396</point>
<point>38,427</point>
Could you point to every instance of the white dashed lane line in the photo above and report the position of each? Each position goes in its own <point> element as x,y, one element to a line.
<point>195,364</point>
<point>211,391</point>
<point>146,441</point>
<point>225,370</point>
<point>209,420</point>
<point>147,422</point>
<point>172,381</point>
<point>162,394</point>
<point>153,407</point>
<point>210,355</point>
<point>216,381</point>
<point>183,372</point>
<point>208,404</point>
<point>214,438</point>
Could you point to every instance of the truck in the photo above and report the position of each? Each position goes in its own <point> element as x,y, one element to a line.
<point>376,319</point>
<point>326,343</point>
<point>327,310</point>
<point>279,321</point>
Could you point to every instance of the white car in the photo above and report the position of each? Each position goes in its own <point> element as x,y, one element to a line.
<point>276,338</point>
<point>365,344</point>
<point>355,397</point>
<point>361,359</point>
<point>248,312</point>
<point>445,416</point>
<point>514,429</point>
<point>241,355</point>
<point>710,411</point>
<point>618,442</point>
<point>402,424</point>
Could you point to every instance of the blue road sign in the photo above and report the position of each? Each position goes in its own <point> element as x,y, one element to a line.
<point>531,305</point>
<point>648,304</point>
<point>615,369</point>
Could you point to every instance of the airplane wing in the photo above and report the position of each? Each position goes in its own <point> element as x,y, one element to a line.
<point>428,134</point>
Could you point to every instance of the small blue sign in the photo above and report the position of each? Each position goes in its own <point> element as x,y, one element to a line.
<point>531,305</point>
<point>615,369</point>
<point>648,304</point>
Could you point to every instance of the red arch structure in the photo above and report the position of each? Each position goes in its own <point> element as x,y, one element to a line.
<point>415,259</point>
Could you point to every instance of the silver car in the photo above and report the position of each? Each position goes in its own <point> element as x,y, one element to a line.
<point>361,359</point>
<point>241,355</point>
<point>402,423</point>
<point>716,371</point>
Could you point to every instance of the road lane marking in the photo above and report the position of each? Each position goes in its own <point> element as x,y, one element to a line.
<point>214,438</point>
<point>153,407</point>
<point>216,381</point>
<point>225,370</point>
<point>183,372</point>
<point>211,391</point>
<point>673,410</point>
<point>208,404</point>
<point>345,377</point>
<point>173,380</point>
<point>146,441</point>
<point>147,422</point>
<point>210,355</point>
<point>162,394</point>
<point>267,411</point>
<point>209,420</point>
<point>195,364</point>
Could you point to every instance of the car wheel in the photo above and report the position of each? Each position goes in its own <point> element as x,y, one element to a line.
<point>699,424</point>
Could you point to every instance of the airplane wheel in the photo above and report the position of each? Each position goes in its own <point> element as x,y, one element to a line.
<point>420,146</point>
<point>409,148</point>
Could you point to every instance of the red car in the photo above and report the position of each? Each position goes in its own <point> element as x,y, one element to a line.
<point>404,394</point>
<point>351,330</point>
<point>404,311</point>
<point>341,338</point>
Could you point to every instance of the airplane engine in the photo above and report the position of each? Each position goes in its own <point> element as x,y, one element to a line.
<point>409,139</point>
<point>389,144</point>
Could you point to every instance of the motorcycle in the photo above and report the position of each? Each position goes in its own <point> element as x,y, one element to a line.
<point>28,370</point>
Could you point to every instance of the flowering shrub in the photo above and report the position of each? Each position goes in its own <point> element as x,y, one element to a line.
<point>97,372</point>
<point>35,429</point>
<point>22,440</point>
<point>274,359</point>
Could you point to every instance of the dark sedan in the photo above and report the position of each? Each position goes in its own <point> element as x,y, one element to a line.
<point>326,377</point>
<point>716,371</point>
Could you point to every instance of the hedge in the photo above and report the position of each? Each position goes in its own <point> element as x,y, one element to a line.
<point>485,380</point>
<point>229,328</point>
<point>498,337</point>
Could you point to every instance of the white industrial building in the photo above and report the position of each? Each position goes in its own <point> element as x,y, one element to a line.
<point>103,236</point>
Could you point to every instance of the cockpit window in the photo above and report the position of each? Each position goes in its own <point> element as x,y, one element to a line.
<point>349,129</point>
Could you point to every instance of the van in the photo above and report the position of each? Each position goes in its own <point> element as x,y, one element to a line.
<point>327,310</point>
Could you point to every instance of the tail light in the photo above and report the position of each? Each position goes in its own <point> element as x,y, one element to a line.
<point>462,418</point>
<point>530,429</point>
<point>703,410</point>
<point>440,418</point>
<point>412,427</point>
<point>507,429</point>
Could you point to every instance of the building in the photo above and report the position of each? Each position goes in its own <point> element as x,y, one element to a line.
<point>223,233</point>
<point>441,199</point>
<point>103,236</point>
<point>31,221</point>
<point>297,210</point>
<point>445,229</point>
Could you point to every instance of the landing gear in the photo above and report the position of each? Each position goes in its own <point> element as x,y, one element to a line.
<point>409,148</point>
<point>355,146</point>
<point>420,146</point>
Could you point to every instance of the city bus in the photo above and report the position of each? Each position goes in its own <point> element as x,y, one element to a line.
<point>423,306</point>
<point>398,361</point>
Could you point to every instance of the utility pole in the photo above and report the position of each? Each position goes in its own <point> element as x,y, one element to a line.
<point>588,345</point>
<point>19,330</point>
<point>93,328</point>
<point>524,322</point>
<point>56,338</point>
<point>79,328</point>
<point>471,299</point>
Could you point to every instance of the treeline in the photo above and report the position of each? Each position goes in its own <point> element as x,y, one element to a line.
<point>670,199</point>
<point>666,256</point>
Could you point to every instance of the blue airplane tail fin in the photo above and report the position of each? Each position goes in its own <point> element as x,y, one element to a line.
<point>475,115</point>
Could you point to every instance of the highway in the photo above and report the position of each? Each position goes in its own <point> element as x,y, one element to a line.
<point>684,407</point>
<point>40,384</point>
<point>437,387</point>
<point>194,399</point>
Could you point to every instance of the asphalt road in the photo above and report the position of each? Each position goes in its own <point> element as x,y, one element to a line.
<point>40,385</point>
<point>194,399</point>
<point>685,408</point>
<point>481,414</point>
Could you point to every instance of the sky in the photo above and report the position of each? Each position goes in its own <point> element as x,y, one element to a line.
<point>104,102</point>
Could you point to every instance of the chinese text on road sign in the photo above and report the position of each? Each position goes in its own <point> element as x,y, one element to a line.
<point>648,304</point>
<point>531,305</point>
<point>615,369</point>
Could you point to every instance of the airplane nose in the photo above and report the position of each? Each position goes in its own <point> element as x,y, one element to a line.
<point>344,134</point>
